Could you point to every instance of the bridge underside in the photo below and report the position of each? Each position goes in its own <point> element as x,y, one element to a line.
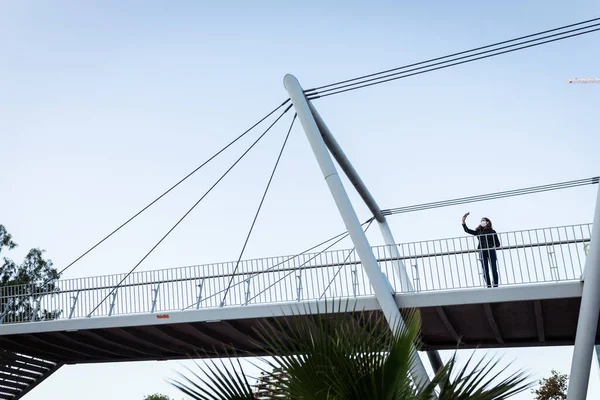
<point>550,322</point>
<point>20,373</point>
<point>530,322</point>
<point>533,315</point>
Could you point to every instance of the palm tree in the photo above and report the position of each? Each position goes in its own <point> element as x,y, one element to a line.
<point>349,356</point>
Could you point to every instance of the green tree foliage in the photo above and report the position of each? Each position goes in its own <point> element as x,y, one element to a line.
<point>157,396</point>
<point>24,285</point>
<point>337,356</point>
<point>552,388</point>
<point>6,239</point>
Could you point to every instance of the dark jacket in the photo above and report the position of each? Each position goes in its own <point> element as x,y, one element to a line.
<point>487,237</point>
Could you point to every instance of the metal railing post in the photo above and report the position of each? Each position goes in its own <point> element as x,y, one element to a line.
<point>416,277</point>
<point>156,290</point>
<point>74,298</point>
<point>354,280</point>
<point>112,303</point>
<point>37,309</point>
<point>3,315</point>
<point>299,284</point>
<point>199,299</point>
<point>247,292</point>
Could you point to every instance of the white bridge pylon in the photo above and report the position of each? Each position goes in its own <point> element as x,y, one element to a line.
<point>587,324</point>
<point>321,140</point>
<point>381,286</point>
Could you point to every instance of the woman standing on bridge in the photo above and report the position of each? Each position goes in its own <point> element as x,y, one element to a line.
<point>488,241</point>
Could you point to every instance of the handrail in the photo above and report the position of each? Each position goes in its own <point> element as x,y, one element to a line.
<point>288,269</point>
<point>524,257</point>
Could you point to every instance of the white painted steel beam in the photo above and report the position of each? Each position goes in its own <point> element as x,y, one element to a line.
<point>379,282</point>
<point>391,247</point>
<point>587,323</point>
<point>346,165</point>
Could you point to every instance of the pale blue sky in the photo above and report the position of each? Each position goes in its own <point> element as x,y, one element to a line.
<point>105,104</point>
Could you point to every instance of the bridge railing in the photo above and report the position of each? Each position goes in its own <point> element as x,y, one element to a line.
<point>524,257</point>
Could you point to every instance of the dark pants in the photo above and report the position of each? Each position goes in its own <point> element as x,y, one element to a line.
<point>489,257</point>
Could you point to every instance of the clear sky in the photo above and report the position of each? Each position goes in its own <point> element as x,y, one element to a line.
<point>103,105</point>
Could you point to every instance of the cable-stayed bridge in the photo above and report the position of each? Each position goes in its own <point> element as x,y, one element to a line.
<point>548,294</point>
<point>173,313</point>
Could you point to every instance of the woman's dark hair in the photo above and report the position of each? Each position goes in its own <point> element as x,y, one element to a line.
<point>489,224</point>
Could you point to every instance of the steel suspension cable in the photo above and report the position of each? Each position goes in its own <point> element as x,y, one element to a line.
<point>262,200</point>
<point>471,57</point>
<point>340,236</point>
<point>342,265</point>
<point>450,55</point>
<point>344,236</point>
<point>174,186</point>
<point>191,209</point>
<point>331,92</point>
<point>492,196</point>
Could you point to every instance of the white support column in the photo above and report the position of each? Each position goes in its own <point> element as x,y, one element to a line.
<point>363,248</point>
<point>386,232</point>
<point>388,239</point>
<point>434,356</point>
<point>588,316</point>
<point>364,193</point>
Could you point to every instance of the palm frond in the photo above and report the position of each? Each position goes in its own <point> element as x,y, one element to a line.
<point>343,354</point>
<point>481,381</point>
<point>220,380</point>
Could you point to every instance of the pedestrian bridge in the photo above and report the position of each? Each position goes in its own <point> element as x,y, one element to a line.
<point>172,313</point>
